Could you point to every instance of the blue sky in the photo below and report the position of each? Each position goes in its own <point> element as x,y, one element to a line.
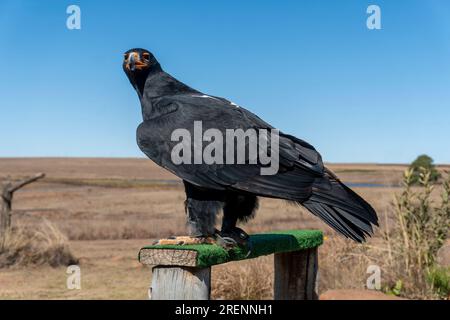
<point>310,68</point>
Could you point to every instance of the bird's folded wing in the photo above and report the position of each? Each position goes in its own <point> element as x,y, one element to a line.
<point>299,162</point>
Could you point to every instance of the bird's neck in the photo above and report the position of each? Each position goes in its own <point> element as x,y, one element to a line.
<point>157,85</point>
<point>139,80</point>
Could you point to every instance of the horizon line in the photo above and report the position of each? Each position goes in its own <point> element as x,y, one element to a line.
<point>145,158</point>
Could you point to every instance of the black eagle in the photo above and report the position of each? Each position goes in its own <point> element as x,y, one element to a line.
<point>168,104</point>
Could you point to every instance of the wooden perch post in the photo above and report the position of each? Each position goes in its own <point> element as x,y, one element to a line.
<point>184,271</point>
<point>7,197</point>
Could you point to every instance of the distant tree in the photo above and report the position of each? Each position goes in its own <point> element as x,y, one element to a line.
<point>426,162</point>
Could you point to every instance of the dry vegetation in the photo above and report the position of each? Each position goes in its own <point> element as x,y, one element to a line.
<point>251,280</point>
<point>41,244</point>
<point>107,209</point>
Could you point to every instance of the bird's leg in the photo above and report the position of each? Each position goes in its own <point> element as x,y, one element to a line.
<point>201,216</point>
<point>231,236</point>
<point>237,207</point>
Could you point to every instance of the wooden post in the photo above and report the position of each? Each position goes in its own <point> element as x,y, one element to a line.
<point>295,275</point>
<point>180,283</point>
<point>6,199</point>
<point>5,213</point>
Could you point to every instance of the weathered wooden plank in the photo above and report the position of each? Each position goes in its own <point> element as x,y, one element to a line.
<point>180,283</point>
<point>295,275</point>
<point>169,257</point>
<point>205,255</point>
<point>290,274</point>
<point>311,277</point>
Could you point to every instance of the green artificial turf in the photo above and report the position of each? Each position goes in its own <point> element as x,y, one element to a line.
<point>261,244</point>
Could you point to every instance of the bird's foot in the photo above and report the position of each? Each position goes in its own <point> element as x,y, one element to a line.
<point>183,240</point>
<point>231,238</point>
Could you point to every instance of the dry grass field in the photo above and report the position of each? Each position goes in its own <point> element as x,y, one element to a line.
<point>109,208</point>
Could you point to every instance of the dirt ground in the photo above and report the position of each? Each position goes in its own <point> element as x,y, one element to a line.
<point>109,208</point>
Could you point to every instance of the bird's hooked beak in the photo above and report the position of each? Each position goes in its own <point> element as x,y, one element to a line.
<point>134,62</point>
<point>131,63</point>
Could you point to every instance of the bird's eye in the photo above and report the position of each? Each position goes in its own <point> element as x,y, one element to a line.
<point>146,55</point>
<point>125,56</point>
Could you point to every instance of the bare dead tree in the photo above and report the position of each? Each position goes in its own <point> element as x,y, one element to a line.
<point>7,197</point>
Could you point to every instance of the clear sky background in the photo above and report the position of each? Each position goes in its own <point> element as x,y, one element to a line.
<point>310,68</point>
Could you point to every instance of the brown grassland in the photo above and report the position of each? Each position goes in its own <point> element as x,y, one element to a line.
<point>108,208</point>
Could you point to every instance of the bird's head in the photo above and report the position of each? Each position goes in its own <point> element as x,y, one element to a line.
<point>138,64</point>
<point>138,61</point>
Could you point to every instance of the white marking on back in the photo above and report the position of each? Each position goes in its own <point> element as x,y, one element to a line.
<point>205,96</point>
<point>209,97</point>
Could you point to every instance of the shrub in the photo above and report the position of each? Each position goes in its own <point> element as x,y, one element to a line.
<point>419,231</point>
<point>425,162</point>
<point>43,244</point>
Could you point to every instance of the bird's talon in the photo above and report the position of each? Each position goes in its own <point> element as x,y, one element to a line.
<point>225,242</point>
<point>229,241</point>
<point>250,248</point>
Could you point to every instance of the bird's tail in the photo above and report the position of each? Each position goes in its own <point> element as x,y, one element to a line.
<point>341,208</point>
